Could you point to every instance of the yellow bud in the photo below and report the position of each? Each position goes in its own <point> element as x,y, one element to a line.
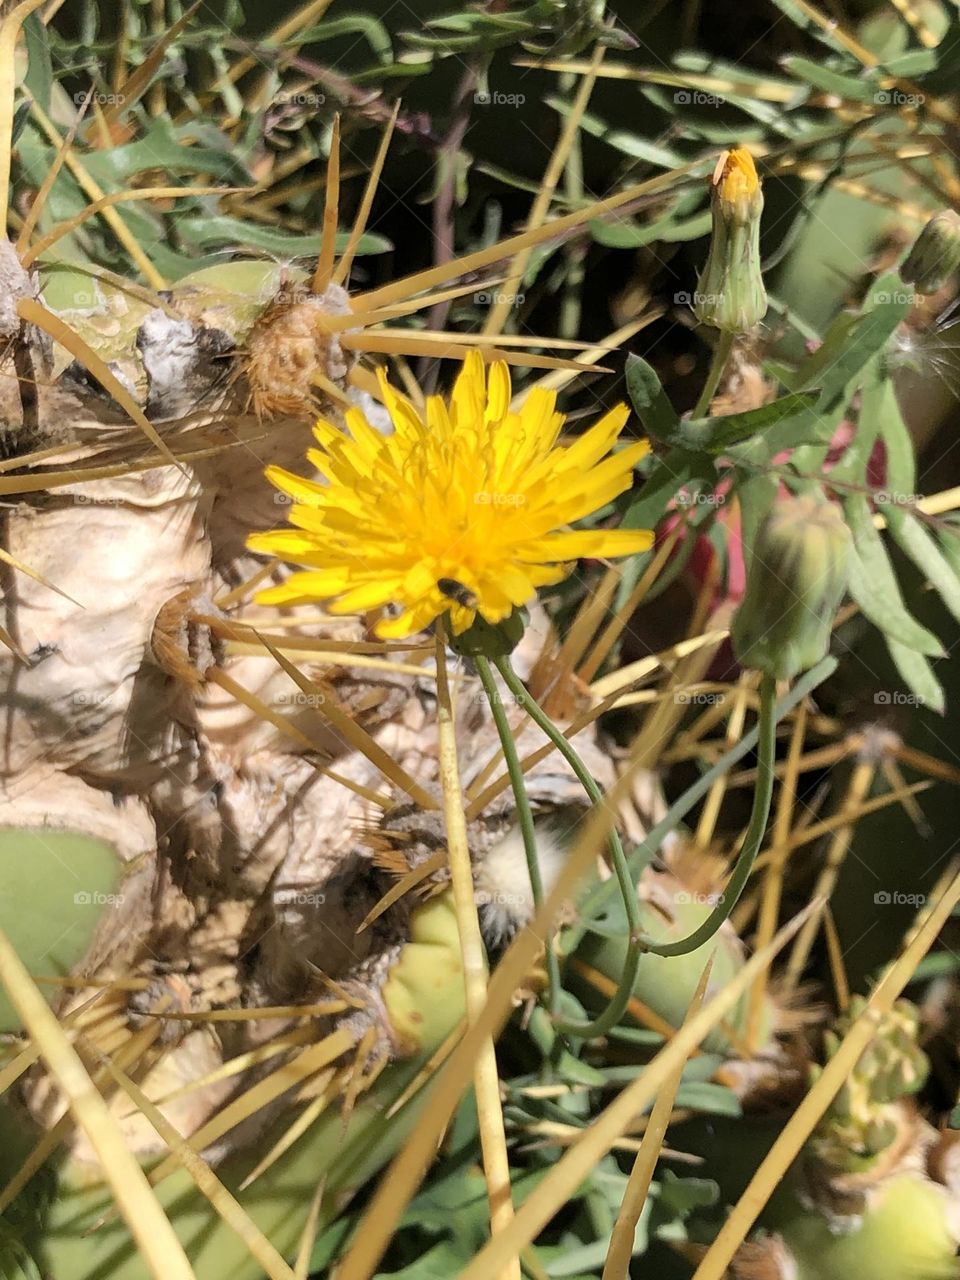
<point>736,185</point>
<point>730,293</point>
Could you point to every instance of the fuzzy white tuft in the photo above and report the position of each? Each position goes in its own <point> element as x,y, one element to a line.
<point>502,883</point>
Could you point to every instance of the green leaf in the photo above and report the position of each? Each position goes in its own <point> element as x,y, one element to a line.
<point>15,1260</point>
<point>917,675</point>
<point>708,1098</point>
<point>794,410</point>
<point>922,549</point>
<point>211,231</point>
<point>622,234</point>
<point>361,24</point>
<point>868,337</point>
<point>873,583</point>
<point>650,402</point>
<point>811,370</point>
<point>39,77</point>
<point>820,77</point>
<point>911,65</point>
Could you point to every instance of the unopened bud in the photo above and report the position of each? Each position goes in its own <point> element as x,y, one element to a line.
<point>935,255</point>
<point>730,292</point>
<point>796,579</point>
<point>490,640</point>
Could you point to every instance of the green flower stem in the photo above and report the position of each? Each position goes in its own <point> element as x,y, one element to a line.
<point>721,354</point>
<point>766,764</point>
<point>524,817</point>
<point>645,850</point>
<point>621,997</point>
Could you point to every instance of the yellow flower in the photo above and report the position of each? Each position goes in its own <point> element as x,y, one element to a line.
<point>464,511</point>
<point>737,185</point>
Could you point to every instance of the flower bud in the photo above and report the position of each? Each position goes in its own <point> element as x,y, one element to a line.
<point>730,293</point>
<point>490,640</point>
<point>935,255</point>
<point>796,578</point>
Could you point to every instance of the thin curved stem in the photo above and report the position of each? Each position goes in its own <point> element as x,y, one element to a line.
<point>718,362</point>
<point>524,817</point>
<point>645,850</point>
<point>766,764</point>
<point>621,997</point>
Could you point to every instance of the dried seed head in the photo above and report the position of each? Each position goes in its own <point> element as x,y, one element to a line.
<point>290,352</point>
<point>184,648</point>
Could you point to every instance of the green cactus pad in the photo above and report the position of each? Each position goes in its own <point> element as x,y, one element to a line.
<point>56,887</point>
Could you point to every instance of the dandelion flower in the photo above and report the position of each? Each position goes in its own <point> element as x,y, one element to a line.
<point>462,512</point>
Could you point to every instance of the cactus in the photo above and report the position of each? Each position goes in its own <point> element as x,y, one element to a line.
<point>285,852</point>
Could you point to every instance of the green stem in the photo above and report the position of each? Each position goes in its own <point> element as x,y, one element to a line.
<point>721,354</point>
<point>595,900</point>
<point>621,997</point>
<point>766,764</point>
<point>524,817</point>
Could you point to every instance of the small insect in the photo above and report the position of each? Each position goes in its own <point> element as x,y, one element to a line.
<point>455,590</point>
